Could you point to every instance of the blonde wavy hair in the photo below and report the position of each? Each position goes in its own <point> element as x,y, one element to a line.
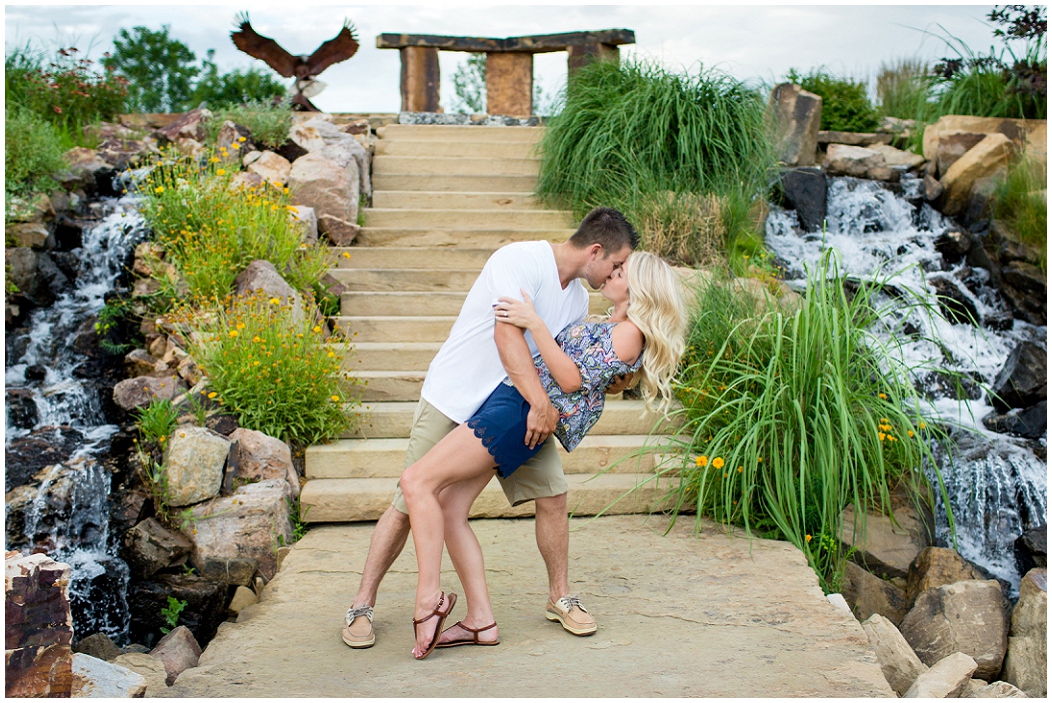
<point>655,306</point>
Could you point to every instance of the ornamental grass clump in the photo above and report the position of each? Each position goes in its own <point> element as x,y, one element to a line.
<point>1021,201</point>
<point>791,416</point>
<point>211,228</point>
<point>271,365</point>
<point>647,141</point>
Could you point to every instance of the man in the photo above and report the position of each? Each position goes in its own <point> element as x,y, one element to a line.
<point>471,363</point>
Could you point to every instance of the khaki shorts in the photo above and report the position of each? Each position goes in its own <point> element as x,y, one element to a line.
<point>540,477</point>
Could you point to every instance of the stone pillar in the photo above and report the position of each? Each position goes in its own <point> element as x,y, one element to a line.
<point>38,628</point>
<point>420,79</point>
<point>509,84</point>
<point>795,116</point>
<point>579,55</point>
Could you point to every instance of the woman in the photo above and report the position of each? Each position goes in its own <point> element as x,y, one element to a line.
<point>643,334</point>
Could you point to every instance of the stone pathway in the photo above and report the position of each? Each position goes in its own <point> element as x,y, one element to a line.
<point>678,615</point>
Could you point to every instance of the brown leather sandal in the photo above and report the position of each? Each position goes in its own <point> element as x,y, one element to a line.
<point>474,637</point>
<point>441,615</point>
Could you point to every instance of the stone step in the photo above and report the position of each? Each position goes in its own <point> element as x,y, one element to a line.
<point>468,133</point>
<point>620,417</point>
<point>391,386</point>
<point>420,279</point>
<point>385,356</point>
<point>365,303</point>
<point>454,183</point>
<point>431,147</point>
<point>364,257</point>
<point>366,499</point>
<point>384,458</point>
<point>404,328</point>
<point>444,200</point>
<point>455,166</point>
<point>457,220</point>
<point>475,238</point>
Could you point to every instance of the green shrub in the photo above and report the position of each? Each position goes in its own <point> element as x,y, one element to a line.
<point>239,86</point>
<point>271,366</point>
<point>644,140</point>
<point>157,421</point>
<point>845,105</point>
<point>1022,202</point>
<point>33,152</point>
<point>269,123</point>
<point>791,415</point>
<point>211,230</point>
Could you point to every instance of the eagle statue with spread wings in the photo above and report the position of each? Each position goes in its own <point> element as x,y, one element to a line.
<point>304,68</point>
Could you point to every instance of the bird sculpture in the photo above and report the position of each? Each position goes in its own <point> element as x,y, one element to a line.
<point>304,68</point>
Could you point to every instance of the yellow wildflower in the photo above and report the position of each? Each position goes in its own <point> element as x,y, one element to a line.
<point>275,301</point>
<point>346,255</point>
<point>241,139</point>
<point>158,189</point>
<point>807,538</point>
<point>220,171</point>
<point>212,395</point>
<point>317,328</point>
<point>335,398</point>
<point>233,333</point>
<point>882,396</point>
<point>702,460</point>
<point>717,463</point>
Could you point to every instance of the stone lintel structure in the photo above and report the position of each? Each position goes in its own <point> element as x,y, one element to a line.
<point>509,64</point>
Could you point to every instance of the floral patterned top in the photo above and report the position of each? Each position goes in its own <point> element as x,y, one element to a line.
<point>591,347</point>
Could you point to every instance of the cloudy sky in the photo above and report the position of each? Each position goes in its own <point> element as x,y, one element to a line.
<point>752,42</point>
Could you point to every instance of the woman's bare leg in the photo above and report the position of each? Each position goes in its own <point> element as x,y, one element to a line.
<point>466,555</point>
<point>459,456</point>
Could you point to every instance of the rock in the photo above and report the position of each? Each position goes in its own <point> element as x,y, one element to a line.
<point>233,572</point>
<point>843,160</point>
<point>1029,133</point>
<point>189,147</point>
<point>205,605</point>
<point>123,154</point>
<point>84,164</point>
<point>290,151</point>
<point>953,244</point>
<point>261,457</point>
<point>246,180</point>
<point>95,678</point>
<point>899,663</point>
<point>99,646</point>
<point>221,424</point>
<point>867,595</point>
<point>262,277</point>
<point>805,190</point>
<point>932,188</point>
<point>188,126</point>
<point>307,221</point>
<point>27,234</point>
<point>1022,381</point>
<point>139,362</point>
<point>251,523</point>
<point>344,149</point>
<point>150,669</point>
<point>150,547</point>
<point>38,628</point>
<point>271,167</point>
<point>985,158</point>
<point>189,371</point>
<point>897,157</point>
<point>998,689</point>
<point>178,651</point>
<point>1031,422</point>
<point>1026,664</point>
<point>952,146</point>
<point>948,678</point>
<point>101,131</point>
<point>955,305</point>
<point>332,190</point>
<point>796,115</point>
<point>134,648</point>
<point>235,139</point>
<point>194,465</point>
<point>886,549</point>
<point>21,413</point>
<point>138,392</point>
<point>966,616</point>
<point>894,125</point>
<point>837,600</point>
<point>282,553</point>
<point>1031,549</point>
<point>37,209</point>
<point>865,139</point>
<point>243,597</point>
<point>1025,276</point>
<point>307,138</point>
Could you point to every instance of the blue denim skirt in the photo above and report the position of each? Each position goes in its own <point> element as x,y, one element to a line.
<point>501,425</point>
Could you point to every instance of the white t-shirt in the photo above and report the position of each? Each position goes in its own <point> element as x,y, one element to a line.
<point>467,367</point>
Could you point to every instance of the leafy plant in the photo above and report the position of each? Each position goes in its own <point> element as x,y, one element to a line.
<point>157,421</point>
<point>1022,203</point>
<point>789,416</point>
<point>158,68</point>
<point>172,612</point>
<point>33,152</point>
<point>845,105</point>
<point>297,516</point>
<point>269,122</point>
<point>155,479</point>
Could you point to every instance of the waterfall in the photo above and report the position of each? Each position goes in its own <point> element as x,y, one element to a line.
<point>995,483</point>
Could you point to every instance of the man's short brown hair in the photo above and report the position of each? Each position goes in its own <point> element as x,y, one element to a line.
<point>608,227</point>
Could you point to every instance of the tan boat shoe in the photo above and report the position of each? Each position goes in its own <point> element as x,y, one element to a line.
<point>358,627</point>
<point>569,611</point>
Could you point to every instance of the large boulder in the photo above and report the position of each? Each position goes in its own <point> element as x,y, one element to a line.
<point>307,222</point>
<point>269,166</point>
<point>38,628</point>
<point>140,391</point>
<point>32,235</point>
<point>968,617</point>
<point>150,547</point>
<point>189,126</point>
<point>344,149</point>
<point>938,566</point>
<point>179,651</point>
<point>897,157</point>
<point>952,146</point>
<point>897,659</point>
<point>95,678</point>
<point>150,669</point>
<point>997,689</point>
<point>332,190</point>
<point>796,116</point>
<point>233,572</point>
<point>867,595</point>
<point>261,457</point>
<point>884,547</point>
<point>1031,422</point>
<point>262,277</point>
<point>856,161</point>
<point>1026,664</point>
<point>194,465</point>
<point>1023,380</point>
<point>251,523</point>
<point>805,190</point>
<point>948,678</point>
<point>1028,134</point>
<point>984,160</point>
<point>1031,549</point>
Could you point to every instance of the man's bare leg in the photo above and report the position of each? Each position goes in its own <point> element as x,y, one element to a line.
<point>553,540</point>
<point>388,541</point>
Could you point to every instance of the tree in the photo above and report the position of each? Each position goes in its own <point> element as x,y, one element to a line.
<point>236,87</point>
<point>160,70</point>
<point>469,84</point>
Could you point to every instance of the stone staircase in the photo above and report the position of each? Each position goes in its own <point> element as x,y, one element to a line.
<point>444,199</point>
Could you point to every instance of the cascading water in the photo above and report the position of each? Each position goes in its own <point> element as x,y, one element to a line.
<point>69,513</point>
<point>997,486</point>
